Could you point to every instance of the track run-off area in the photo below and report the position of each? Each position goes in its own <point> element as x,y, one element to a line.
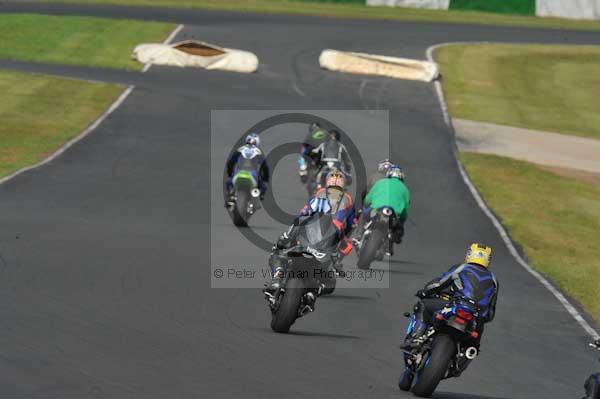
<point>106,250</point>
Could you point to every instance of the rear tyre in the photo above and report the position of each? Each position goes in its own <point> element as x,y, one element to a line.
<point>430,376</point>
<point>405,380</point>
<point>240,216</point>
<point>369,249</point>
<point>287,312</point>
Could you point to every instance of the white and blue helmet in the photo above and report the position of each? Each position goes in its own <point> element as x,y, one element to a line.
<point>253,139</point>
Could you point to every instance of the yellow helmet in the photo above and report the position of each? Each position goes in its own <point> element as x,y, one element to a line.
<point>479,254</point>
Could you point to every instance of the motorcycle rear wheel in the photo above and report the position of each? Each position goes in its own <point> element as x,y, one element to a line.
<point>240,214</point>
<point>287,311</point>
<point>369,249</point>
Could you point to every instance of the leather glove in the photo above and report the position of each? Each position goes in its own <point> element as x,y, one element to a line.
<point>283,241</point>
<point>421,294</point>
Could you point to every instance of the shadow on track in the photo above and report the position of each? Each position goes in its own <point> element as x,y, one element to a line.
<point>323,335</point>
<point>306,334</point>
<point>349,297</point>
<point>453,395</point>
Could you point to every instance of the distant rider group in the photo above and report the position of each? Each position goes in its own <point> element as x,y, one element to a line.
<point>447,323</point>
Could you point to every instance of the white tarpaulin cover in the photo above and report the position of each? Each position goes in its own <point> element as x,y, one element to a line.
<point>194,53</point>
<point>577,9</point>
<point>369,64</point>
<point>432,4</point>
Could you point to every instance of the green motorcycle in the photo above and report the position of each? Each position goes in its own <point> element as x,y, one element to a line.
<point>245,198</point>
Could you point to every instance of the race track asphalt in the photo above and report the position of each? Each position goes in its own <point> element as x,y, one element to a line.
<point>106,251</point>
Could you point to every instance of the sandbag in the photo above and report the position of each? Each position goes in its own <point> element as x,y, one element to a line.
<point>370,64</point>
<point>194,53</point>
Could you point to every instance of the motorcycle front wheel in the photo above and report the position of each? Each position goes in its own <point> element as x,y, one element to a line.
<point>436,365</point>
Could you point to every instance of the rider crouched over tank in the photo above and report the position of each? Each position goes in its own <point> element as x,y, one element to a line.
<point>331,200</point>
<point>250,158</point>
<point>444,332</point>
<point>471,280</point>
<point>592,384</point>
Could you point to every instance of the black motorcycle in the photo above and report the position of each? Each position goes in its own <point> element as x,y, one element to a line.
<point>308,273</point>
<point>449,346</point>
<point>592,384</point>
<point>375,237</point>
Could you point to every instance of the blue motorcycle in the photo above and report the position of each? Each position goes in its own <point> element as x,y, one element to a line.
<point>592,385</point>
<point>446,349</point>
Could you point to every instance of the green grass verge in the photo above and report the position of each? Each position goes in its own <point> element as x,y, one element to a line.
<point>355,11</point>
<point>76,40</point>
<point>555,219</point>
<point>545,87</point>
<point>523,7</point>
<point>40,113</point>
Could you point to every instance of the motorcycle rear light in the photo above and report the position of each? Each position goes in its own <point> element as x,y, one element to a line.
<point>459,320</point>
<point>464,315</point>
<point>439,316</point>
<point>474,334</point>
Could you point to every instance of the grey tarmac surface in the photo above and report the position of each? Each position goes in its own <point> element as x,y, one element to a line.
<point>104,274</point>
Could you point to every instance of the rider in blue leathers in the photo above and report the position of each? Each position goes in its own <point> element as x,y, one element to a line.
<point>592,384</point>
<point>471,279</point>
<point>248,157</point>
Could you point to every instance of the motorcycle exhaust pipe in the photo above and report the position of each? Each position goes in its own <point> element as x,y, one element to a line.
<point>255,193</point>
<point>471,353</point>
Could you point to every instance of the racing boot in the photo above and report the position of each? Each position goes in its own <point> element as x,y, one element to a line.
<point>309,303</point>
<point>390,249</point>
<point>416,339</point>
<point>339,267</point>
<point>230,201</point>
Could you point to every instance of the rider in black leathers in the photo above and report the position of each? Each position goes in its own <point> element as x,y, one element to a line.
<point>333,150</point>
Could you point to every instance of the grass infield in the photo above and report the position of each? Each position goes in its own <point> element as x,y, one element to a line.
<point>545,87</point>
<point>555,219</point>
<point>76,40</point>
<point>40,113</point>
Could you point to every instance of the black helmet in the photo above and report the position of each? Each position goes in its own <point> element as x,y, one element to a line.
<point>336,135</point>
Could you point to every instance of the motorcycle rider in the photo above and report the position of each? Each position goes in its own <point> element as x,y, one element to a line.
<point>332,150</point>
<point>391,192</point>
<point>592,384</point>
<point>316,135</point>
<point>248,157</point>
<point>471,279</point>
<point>332,199</point>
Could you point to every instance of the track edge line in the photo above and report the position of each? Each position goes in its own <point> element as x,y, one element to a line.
<point>75,139</point>
<point>122,97</point>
